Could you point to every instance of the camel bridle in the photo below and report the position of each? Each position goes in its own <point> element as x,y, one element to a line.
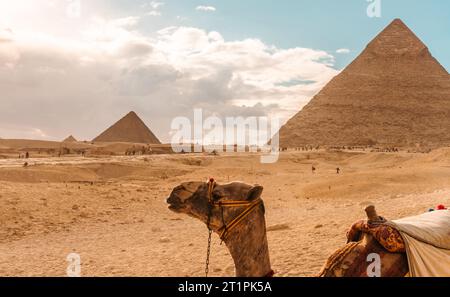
<point>226,228</point>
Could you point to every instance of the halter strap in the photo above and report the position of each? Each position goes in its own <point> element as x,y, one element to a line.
<point>227,228</point>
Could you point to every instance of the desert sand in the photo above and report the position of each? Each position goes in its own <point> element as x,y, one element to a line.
<point>112,211</point>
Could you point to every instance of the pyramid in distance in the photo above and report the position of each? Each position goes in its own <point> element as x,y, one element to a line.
<point>128,129</point>
<point>395,93</point>
<point>70,139</point>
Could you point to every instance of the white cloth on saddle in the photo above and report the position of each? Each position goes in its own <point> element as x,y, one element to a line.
<point>427,242</point>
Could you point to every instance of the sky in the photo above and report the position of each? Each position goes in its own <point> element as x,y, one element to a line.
<point>77,66</point>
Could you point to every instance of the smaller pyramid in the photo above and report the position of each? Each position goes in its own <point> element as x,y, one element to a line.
<point>128,129</point>
<point>70,139</point>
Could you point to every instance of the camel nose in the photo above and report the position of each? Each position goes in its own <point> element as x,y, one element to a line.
<point>173,200</point>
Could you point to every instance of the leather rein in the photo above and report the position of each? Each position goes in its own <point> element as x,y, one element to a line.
<point>226,228</point>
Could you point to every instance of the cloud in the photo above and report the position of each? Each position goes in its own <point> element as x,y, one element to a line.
<point>12,131</point>
<point>155,8</point>
<point>126,22</point>
<point>6,35</point>
<point>156,5</point>
<point>153,5</point>
<point>154,13</point>
<point>343,51</point>
<point>84,85</point>
<point>181,18</point>
<point>206,8</point>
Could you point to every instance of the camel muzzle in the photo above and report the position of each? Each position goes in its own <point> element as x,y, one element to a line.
<point>175,203</point>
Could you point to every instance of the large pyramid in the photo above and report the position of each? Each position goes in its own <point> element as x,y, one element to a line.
<point>394,93</point>
<point>129,129</point>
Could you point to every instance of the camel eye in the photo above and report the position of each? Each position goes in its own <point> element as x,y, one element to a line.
<point>216,196</point>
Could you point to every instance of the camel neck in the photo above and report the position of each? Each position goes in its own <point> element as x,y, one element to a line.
<point>248,246</point>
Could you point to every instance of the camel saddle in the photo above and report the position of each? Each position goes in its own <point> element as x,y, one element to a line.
<point>424,238</point>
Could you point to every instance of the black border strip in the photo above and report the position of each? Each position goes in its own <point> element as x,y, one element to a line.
<point>227,286</point>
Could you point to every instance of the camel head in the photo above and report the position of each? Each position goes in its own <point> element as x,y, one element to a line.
<point>236,213</point>
<point>191,198</point>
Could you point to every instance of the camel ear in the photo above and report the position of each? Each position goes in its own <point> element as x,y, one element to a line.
<point>254,193</point>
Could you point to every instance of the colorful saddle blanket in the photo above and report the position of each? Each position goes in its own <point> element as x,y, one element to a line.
<point>425,239</point>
